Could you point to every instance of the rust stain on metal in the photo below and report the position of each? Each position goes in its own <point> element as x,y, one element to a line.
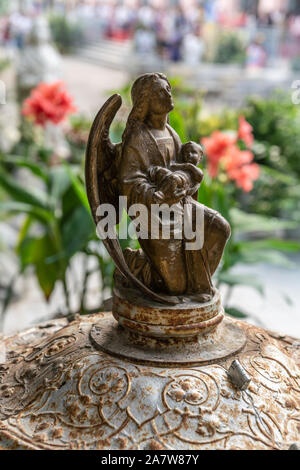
<point>96,401</point>
<point>186,320</point>
<point>141,311</point>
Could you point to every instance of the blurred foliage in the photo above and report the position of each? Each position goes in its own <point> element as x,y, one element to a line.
<point>4,63</point>
<point>296,64</point>
<point>230,49</point>
<point>66,34</point>
<point>4,7</point>
<point>57,225</point>
<point>77,136</point>
<point>276,123</point>
<point>243,246</point>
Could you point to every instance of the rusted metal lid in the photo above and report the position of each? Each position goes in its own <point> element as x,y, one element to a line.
<point>59,391</point>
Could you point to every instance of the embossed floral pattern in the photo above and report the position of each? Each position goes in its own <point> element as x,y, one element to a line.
<point>190,390</point>
<point>92,401</point>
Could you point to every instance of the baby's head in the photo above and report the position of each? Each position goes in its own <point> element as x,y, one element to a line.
<point>191,153</point>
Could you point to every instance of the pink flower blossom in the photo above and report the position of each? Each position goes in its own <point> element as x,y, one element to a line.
<point>48,102</point>
<point>245,132</point>
<point>223,152</point>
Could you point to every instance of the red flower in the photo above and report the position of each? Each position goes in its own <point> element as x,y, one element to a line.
<point>234,157</point>
<point>248,174</point>
<point>215,147</point>
<point>48,102</point>
<point>239,167</point>
<point>245,132</point>
<point>222,151</point>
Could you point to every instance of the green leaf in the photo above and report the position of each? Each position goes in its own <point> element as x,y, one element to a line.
<point>77,230</point>
<point>177,122</point>
<point>59,181</point>
<point>13,207</point>
<point>31,251</point>
<point>36,169</point>
<point>278,175</point>
<point>37,252</point>
<point>69,203</point>
<point>47,278</point>
<point>289,246</point>
<point>24,229</point>
<point>264,256</point>
<point>78,187</point>
<point>34,197</point>
<point>221,201</point>
<point>205,194</point>
<point>240,279</point>
<point>247,223</point>
<point>236,312</point>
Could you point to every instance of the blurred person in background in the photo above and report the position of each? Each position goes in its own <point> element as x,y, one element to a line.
<point>294,30</point>
<point>145,40</point>
<point>193,48</point>
<point>39,60</point>
<point>163,28</point>
<point>146,14</point>
<point>195,14</point>
<point>104,13</point>
<point>125,17</point>
<point>121,21</point>
<point>146,36</point>
<point>171,28</point>
<point>256,54</point>
<point>210,11</point>
<point>20,26</point>
<point>180,28</point>
<point>5,31</point>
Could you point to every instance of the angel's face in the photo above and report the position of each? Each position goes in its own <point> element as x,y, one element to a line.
<point>161,100</point>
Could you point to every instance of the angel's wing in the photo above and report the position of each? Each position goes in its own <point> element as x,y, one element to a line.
<point>101,183</point>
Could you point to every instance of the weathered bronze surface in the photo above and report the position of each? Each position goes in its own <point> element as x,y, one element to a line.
<point>166,372</point>
<point>57,391</point>
<point>162,290</point>
<point>152,166</point>
<point>167,335</point>
<point>224,342</point>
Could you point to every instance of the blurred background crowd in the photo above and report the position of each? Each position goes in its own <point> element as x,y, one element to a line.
<point>234,67</point>
<point>250,32</point>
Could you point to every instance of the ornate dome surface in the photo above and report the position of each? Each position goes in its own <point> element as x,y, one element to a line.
<point>57,391</point>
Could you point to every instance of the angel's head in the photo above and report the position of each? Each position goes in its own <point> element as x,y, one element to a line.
<point>150,93</point>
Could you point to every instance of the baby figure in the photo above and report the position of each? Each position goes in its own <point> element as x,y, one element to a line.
<point>182,179</point>
<point>191,153</point>
<point>189,158</point>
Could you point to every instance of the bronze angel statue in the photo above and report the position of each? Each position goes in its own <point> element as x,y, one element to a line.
<point>152,166</point>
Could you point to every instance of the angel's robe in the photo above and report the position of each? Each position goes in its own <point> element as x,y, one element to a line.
<point>182,271</point>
